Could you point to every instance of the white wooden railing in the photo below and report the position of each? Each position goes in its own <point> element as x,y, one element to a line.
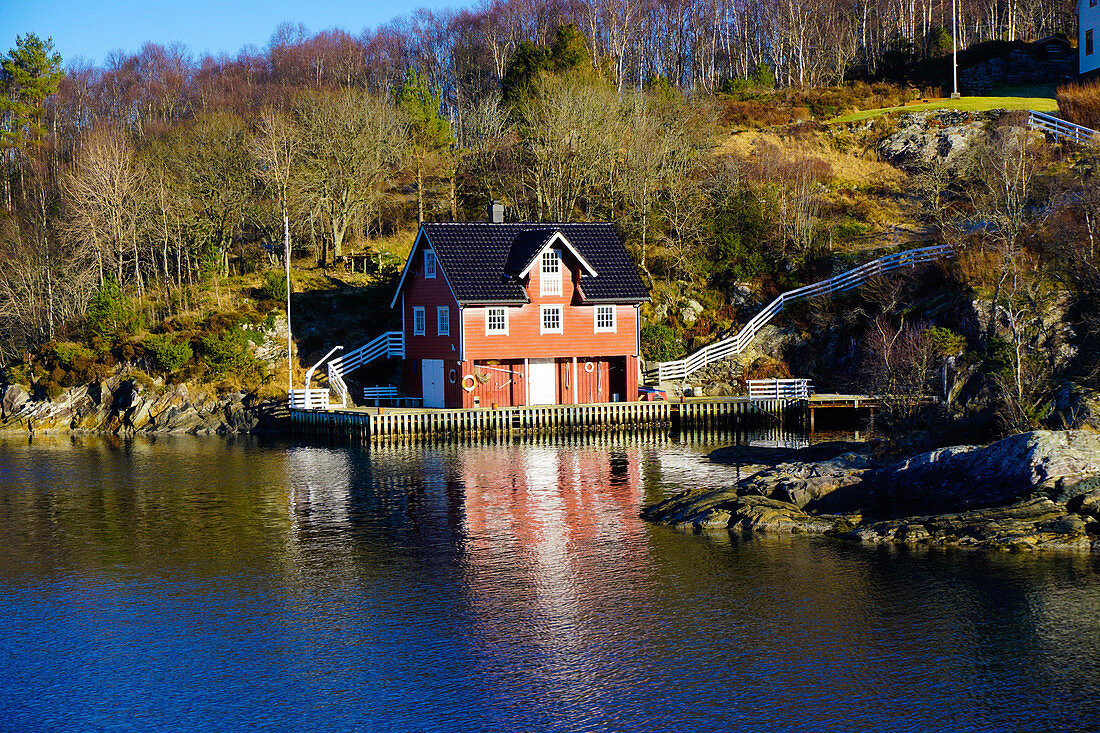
<point>336,383</point>
<point>389,345</point>
<point>680,369</point>
<point>780,389</point>
<point>309,399</point>
<point>1060,128</point>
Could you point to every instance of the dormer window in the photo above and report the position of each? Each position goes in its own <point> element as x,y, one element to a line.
<point>429,265</point>
<point>550,273</point>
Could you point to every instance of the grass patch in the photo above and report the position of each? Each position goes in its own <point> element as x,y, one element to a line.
<point>965,104</point>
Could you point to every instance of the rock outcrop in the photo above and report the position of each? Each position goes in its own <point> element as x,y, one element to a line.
<point>1037,490</point>
<point>934,136</point>
<point>121,405</point>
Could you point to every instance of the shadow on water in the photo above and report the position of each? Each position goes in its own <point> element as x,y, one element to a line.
<point>246,583</point>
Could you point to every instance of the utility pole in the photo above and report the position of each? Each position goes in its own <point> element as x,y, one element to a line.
<point>954,55</point>
<point>289,344</point>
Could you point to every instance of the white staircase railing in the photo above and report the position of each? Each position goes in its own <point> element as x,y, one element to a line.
<point>389,345</point>
<point>780,389</point>
<point>680,369</point>
<point>336,383</point>
<point>1060,128</point>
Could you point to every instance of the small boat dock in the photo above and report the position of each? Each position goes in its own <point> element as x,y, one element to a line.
<point>404,424</point>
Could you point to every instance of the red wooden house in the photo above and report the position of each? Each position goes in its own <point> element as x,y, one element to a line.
<point>520,314</point>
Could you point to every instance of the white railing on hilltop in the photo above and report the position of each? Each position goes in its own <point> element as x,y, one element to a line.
<point>389,345</point>
<point>1060,128</point>
<point>309,399</point>
<point>780,389</point>
<point>680,369</point>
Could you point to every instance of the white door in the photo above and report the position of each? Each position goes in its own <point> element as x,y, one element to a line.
<point>431,376</point>
<point>542,379</point>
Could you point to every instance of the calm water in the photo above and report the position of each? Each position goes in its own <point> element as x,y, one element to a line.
<point>203,584</point>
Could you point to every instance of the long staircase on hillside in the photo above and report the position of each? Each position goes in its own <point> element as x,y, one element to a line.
<point>669,371</point>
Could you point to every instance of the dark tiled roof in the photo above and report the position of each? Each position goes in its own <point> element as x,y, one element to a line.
<point>476,257</point>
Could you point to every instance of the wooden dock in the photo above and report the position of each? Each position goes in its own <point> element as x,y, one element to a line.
<point>378,425</point>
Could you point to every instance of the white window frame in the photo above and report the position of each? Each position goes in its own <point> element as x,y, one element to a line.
<point>551,269</point>
<point>488,317</point>
<point>419,321</point>
<point>543,310</point>
<point>430,264</point>
<point>443,320</point>
<point>596,319</point>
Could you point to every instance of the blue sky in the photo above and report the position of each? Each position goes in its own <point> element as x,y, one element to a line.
<point>92,28</point>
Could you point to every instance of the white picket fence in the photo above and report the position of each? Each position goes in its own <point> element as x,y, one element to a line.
<point>391,344</point>
<point>780,389</point>
<point>681,368</point>
<point>1061,128</point>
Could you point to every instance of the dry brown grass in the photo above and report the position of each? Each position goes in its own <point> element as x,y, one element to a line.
<point>847,168</point>
<point>1080,103</point>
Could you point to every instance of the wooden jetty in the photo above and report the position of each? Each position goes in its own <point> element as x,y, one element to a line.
<point>394,424</point>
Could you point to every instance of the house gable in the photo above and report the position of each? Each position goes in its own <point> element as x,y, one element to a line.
<point>416,257</point>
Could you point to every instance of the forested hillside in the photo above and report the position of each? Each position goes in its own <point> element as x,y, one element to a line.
<point>146,203</point>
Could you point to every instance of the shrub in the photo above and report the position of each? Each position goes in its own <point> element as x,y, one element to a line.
<point>946,341</point>
<point>170,353</point>
<point>68,352</point>
<point>227,352</point>
<point>273,286</point>
<point>661,343</point>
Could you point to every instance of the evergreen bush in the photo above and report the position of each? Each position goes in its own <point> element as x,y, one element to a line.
<point>170,353</point>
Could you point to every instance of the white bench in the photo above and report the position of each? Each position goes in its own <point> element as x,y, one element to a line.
<point>388,393</point>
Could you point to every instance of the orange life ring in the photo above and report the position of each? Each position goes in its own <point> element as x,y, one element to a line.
<point>473,383</point>
<point>589,367</point>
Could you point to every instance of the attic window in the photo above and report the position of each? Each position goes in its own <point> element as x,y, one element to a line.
<point>550,273</point>
<point>429,265</point>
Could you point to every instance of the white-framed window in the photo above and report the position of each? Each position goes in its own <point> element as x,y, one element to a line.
<point>429,264</point>
<point>550,273</point>
<point>443,320</point>
<point>418,320</point>
<point>605,319</point>
<point>496,321</point>
<point>550,321</point>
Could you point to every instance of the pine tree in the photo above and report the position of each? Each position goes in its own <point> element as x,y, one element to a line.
<point>429,132</point>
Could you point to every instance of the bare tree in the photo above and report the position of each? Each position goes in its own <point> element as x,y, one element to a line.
<point>105,192</point>
<point>351,141</point>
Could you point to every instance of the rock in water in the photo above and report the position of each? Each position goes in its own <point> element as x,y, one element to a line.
<point>1052,463</point>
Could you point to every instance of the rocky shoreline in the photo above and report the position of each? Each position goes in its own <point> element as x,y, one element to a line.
<point>1032,491</point>
<point>119,405</point>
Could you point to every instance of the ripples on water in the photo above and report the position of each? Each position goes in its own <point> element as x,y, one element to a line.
<point>184,584</point>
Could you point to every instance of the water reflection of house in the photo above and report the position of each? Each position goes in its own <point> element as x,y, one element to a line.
<point>568,514</point>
